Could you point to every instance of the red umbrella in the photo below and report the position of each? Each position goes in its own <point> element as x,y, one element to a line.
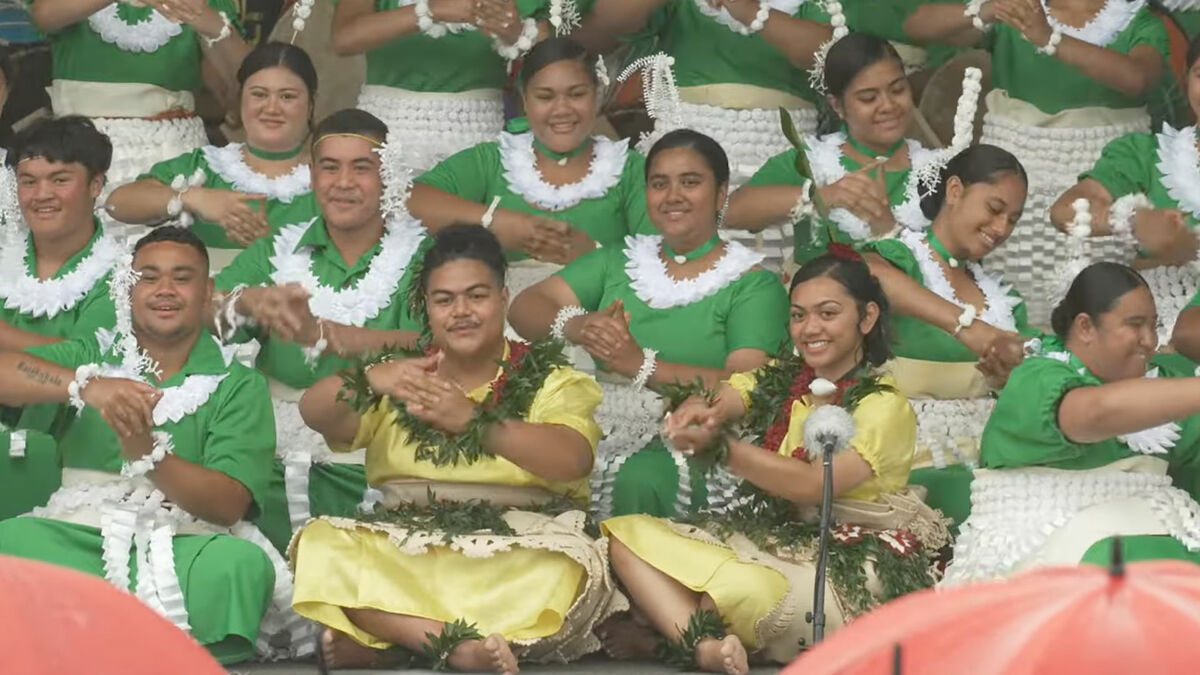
<point>56,621</point>
<point>1143,618</point>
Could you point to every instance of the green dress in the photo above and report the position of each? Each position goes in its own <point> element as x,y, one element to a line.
<point>289,197</point>
<point>811,238</point>
<point>73,302</point>
<point>1014,514</point>
<point>226,581</point>
<point>735,305</point>
<point>948,428</point>
<point>294,254</point>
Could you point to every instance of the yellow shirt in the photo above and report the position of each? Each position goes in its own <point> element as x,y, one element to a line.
<point>567,397</point>
<point>885,435</point>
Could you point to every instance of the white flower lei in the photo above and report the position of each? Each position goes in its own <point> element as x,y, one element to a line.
<point>652,284</point>
<point>1108,23</point>
<point>825,153</point>
<point>520,170</point>
<point>36,297</point>
<point>147,35</point>
<point>723,17</point>
<point>292,263</point>
<point>1179,165</point>
<point>998,305</point>
<point>230,164</point>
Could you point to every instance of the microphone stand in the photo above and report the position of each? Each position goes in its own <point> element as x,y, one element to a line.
<point>818,611</point>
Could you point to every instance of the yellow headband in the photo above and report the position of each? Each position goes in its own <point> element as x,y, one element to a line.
<point>372,141</point>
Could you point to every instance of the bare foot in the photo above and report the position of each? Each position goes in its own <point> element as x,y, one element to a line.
<point>624,638</point>
<point>339,651</point>
<point>492,654</point>
<point>722,656</point>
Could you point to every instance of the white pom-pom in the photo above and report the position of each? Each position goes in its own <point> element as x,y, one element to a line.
<point>1080,204</point>
<point>828,425</point>
<point>303,11</point>
<point>298,25</point>
<point>822,387</point>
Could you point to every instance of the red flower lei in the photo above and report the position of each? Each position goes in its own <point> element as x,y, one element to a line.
<point>801,387</point>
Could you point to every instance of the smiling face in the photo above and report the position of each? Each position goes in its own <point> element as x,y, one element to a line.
<point>827,327</point>
<point>346,181</point>
<point>56,198</point>
<point>561,105</point>
<point>275,109</point>
<point>1119,345</point>
<point>982,216</point>
<point>877,106</point>
<point>682,194</point>
<point>172,294</point>
<point>466,306</point>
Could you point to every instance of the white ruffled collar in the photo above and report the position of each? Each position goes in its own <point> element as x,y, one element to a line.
<point>29,295</point>
<point>230,164</point>
<point>1179,166</point>
<point>292,263</point>
<point>1108,23</point>
<point>147,35</point>
<point>652,284</point>
<point>998,305</point>
<point>520,170</point>
<point>825,155</point>
<point>723,17</point>
<point>177,401</point>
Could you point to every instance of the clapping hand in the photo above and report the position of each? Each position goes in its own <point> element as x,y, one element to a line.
<point>693,426</point>
<point>605,335</point>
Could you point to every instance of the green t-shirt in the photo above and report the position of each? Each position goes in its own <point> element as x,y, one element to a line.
<point>1054,86</point>
<point>749,311</point>
<point>79,53</point>
<point>916,339</point>
<point>290,199</point>
<point>233,431</point>
<point>607,205</point>
<point>257,265</point>
<point>1131,164</point>
<point>455,62</point>
<point>811,237</point>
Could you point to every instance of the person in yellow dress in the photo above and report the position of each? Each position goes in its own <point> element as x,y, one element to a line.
<point>722,584</point>
<point>483,473</point>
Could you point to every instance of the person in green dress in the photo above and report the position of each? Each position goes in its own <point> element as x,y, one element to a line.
<point>436,69</point>
<point>134,69</point>
<point>1078,447</point>
<point>1151,183</point>
<point>957,330</point>
<point>864,171</point>
<point>245,191</point>
<point>168,457</point>
<point>55,260</point>
<point>549,188</point>
<point>661,310</point>
<point>319,291</point>
<point>1066,81</point>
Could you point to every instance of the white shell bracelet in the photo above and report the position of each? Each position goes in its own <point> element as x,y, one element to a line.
<point>425,20</point>
<point>181,184</point>
<point>144,464</point>
<point>1051,45</point>
<point>1122,211</point>
<point>972,10</point>
<point>83,375</point>
<point>226,31</point>
<point>649,363</point>
<point>233,319</point>
<point>760,17</point>
<point>529,35</point>
<point>559,327</point>
<point>490,214</point>
<point>966,319</point>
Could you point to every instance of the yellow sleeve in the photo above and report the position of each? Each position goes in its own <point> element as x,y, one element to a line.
<point>569,398</point>
<point>380,418</point>
<point>744,384</point>
<point>885,436</point>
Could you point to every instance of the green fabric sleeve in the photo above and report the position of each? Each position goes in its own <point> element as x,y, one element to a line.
<point>778,170</point>
<point>759,313</point>
<point>251,267</point>
<point>899,255</point>
<point>96,310</point>
<point>1127,165</point>
<point>633,195</point>
<point>166,170</point>
<point>587,276</point>
<point>467,173</point>
<point>69,353</point>
<point>240,436</point>
<point>1023,428</point>
<point>1148,29</point>
<point>881,19</point>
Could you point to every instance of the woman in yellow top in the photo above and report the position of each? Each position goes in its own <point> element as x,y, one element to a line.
<point>736,570</point>
<point>451,424</point>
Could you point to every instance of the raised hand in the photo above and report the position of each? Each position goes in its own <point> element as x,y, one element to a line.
<point>453,11</point>
<point>863,195</point>
<point>693,426</point>
<point>606,336</point>
<point>541,237</point>
<point>499,18</point>
<point>1027,16</point>
<point>127,406</point>
<point>1164,233</point>
<point>283,311</point>
<point>1006,352</point>
<point>234,211</point>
